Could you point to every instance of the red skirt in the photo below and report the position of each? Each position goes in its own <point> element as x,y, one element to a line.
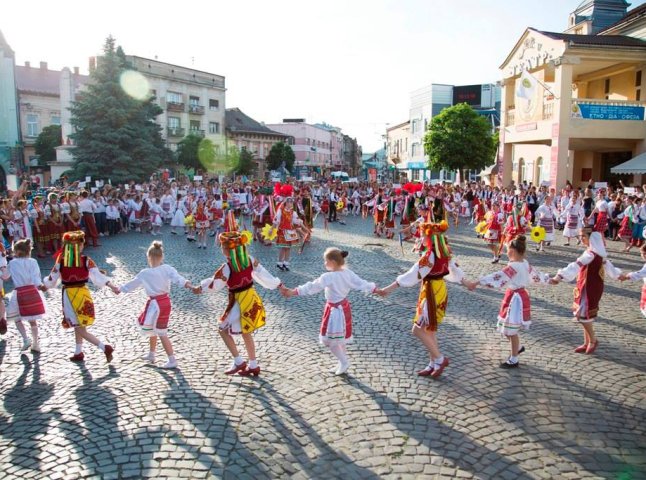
<point>347,313</point>
<point>41,233</point>
<point>30,303</point>
<point>55,231</point>
<point>642,303</point>
<point>506,302</point>
<point>601,225</point>
<point>161,321</point>
<point>90,225</point>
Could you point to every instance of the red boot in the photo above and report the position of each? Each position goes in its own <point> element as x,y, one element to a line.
<point>236,368</point>
<point>108,353</point>
<point>247,372</point>
<point>438,371</point>
<point>78,357</point>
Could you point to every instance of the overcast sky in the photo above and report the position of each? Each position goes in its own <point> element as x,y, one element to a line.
<point>350,63</point>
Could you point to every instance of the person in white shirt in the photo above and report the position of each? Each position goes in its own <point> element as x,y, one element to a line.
<point>87,208</point>
<point>112,216</point>
<point>545,215</point>
<point>336,324</point>
<point>156,281</point>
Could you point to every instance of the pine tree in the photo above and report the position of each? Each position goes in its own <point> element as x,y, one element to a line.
<point>116,135</point>
<point>46,143</point>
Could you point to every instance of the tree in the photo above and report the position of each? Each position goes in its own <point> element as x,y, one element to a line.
<point>116,135</point>
<point>458,138</point>
<point>243,164</point>
<point>46,143</point>
<point>279,153</point>
<point>187,151</point>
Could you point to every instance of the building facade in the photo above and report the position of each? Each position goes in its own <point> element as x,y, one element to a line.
<point>312,145</point>
<point>573,104</point>
<point>397,147</point>
<point>9,132</point>
<point>245,133</point>
<point>352,154</point>
<point>192,101</point>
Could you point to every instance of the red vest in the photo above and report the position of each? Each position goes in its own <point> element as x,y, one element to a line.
<point>73,275</point>
<point>240,280</point>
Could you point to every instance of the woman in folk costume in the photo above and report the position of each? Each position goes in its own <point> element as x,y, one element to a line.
<point>493,231</point>
<point>74,270</point>
<point>336,324</point>
<point>26,303</point>
<point>515,313</point>
<point>636,276</point>
<point>178,217</point>
<point>389,216</point>
<point>436,266</point>
<point>286,221</point>
<point>40,228</point>
<point>22,221</point>
<point>589,270</point>
<point>602,210</point>
<point>573,217</point>
<point>379,212</point>
<point>156,281</point>
<point>245,312</point>
<point>516,223</point>
<point>261,212</point>
<point>56,225</point>
<point>72,213</point>
<point>627,224</point>
<point>87,208</point>
<point>201,223</point>
<point>545,215</point>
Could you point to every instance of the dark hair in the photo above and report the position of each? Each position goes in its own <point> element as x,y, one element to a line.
<point>519,244</point>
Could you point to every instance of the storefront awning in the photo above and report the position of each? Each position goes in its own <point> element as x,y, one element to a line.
<point>635,165</point>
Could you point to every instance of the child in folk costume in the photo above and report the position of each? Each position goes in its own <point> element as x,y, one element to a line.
<point>516,223</point>
<point>74,270</point>
<point>286,221</point>
<point>636,276</point>
<point>336,324</point>
<point>573,217</point>
<point>179,215</point>
<point>40,230</point>
<point>261,215</point>
<point>245,312</point>
<point>627,224</point>
<point>515,313</point>
<point>22,221</point>
<point>202,224</point>
<point>602,210</point>
<point>545,215</point>
<point>589,271</point>
<point>156,217</point>
<point>26,303</point>
<point>156,281</point>
<point>478,211</point>
<point>493,231</point>
<point>389,217</point>
<point>436,266</point>
<point>56,225</point>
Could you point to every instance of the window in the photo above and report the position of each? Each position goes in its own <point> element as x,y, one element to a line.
<point>414,174</point>
<point>173,97</point>
<point>414,147</point>
<point>606,86</point>
<point>638,78</point>
<point>174,122</point>
<point>194,125</point>
<point>214,127</point>
<point>32,125</point>
<point>194,101</point>
<point>214,104</point>
<point>55,120</point>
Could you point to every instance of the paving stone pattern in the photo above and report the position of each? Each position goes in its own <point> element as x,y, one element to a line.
<point>560,415</point>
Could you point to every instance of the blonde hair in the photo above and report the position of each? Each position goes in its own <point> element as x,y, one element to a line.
<point>22,248</point>
<point>335,255</point>
<point>156,249</point>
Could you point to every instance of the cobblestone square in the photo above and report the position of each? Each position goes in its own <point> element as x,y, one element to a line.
<point>560,415</point>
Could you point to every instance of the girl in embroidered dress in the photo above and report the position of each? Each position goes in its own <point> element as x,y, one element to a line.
<point>636,276</point>
<point>573,217</point>
<point>245,312</point>
<point>493,232</point>
<point>516,223</point>
<point>156,281</point>
<point>545,215</point>
<point>40,230</point>
<point>178,217</point>
<point>22,221</point>
<point>431,270</point>
<point>589,271</point>
<point>202,223</point>
<point>26,303</point>
<point>74,270</point>
<point>515,313</point>
<point>336,324</point>
<point>56,227</point>
<point>286,221</point>
<point>627,224</point>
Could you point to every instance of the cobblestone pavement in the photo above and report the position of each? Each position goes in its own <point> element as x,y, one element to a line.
<point>560,415</point>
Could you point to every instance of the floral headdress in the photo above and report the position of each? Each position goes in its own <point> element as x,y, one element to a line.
<point>435,239</point>
<point>236,243</point>
<point>72,242</point>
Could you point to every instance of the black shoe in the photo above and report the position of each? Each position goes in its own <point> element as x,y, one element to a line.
<point>521,350</point>
<point>174,233</point>
<point>280,267</point>
<point>285,268</point>
<point>507,365</point>
<point>495,260</point>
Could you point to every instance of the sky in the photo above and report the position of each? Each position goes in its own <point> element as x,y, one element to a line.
<point>350,63</point>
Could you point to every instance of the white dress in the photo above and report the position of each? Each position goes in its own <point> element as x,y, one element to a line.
<point>514,313</point>
<point>636,276</point>
<point>336,325</point>
<point>23,272</point>
<point>573,218</point>
<point>545,218</point>
<point>179,215</point>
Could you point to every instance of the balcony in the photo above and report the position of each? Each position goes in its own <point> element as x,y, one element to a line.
<point>196,109</point>
<point>175,107</point>
<point>197,132</point>
<point>175,131</point>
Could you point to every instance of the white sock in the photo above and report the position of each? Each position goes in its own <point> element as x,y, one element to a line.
<point>101,346</point>
<point>513,359</point>
<point>34,332</point>
<point>253,363</point>
<point>438,361</point>
<point>339,352</point>
<point>238,360</point>
<point>171,358</point>
<point>79,349</point>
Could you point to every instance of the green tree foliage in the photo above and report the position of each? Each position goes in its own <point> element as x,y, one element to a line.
<point>46,144</point>
<point>188,151</point>
<point>116,134</point>
<point>242,163</point>
<point>279,153</point>
<point>458,138</point>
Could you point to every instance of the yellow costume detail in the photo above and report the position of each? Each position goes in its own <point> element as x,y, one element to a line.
<point>437,296</point>
<point>82,303</point>
<point>252,311</point>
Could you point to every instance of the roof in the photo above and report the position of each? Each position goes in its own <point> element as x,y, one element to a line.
<point>630,17</point>
<point>44,81</point>
<point>635,166</point>
<point>595,40</point>
<point>236,121</point>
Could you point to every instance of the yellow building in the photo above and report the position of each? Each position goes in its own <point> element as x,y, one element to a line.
<point>572,103</point>
<point>397,153</point>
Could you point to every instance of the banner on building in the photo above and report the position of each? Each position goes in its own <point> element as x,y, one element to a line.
<point>592,111</point>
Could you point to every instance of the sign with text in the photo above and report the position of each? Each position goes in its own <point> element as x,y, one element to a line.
<point>469,94</point>
<point>591,111</point>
